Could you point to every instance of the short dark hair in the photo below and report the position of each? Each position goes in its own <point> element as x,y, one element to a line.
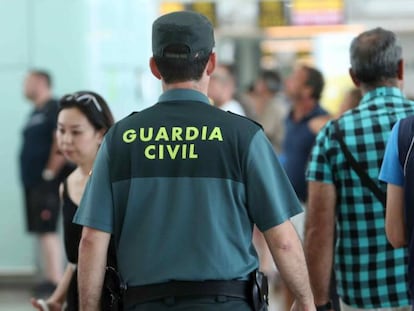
<point>178,66</point>
<point>272,80</point>
<point>315,81</point>
<point>375,55</point>
<point>44,75</point>
<point>97,113</point>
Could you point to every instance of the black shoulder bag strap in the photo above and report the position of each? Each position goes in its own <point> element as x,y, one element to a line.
<point>362,174</point>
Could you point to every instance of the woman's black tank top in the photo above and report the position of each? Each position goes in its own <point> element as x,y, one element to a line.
<point>72,232</point>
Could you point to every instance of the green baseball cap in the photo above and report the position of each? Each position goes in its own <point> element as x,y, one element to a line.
<point>183,28</point>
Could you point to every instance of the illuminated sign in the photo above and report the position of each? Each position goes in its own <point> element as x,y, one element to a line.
<point>317,12</point>
<point>169,7</point>
<point>271,13</point>
<point>208,9</point>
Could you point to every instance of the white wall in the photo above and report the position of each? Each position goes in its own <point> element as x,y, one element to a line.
<point>85,44</point>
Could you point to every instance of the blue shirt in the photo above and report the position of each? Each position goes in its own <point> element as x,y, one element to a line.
<point>297,145</point>
<point>391,169</point>
<point>193,180</point>
<point>397,169</point>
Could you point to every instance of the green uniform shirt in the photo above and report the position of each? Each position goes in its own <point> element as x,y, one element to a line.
<point>192,180</point>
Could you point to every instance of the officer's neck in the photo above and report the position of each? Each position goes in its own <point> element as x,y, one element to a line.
<point>199,86</point>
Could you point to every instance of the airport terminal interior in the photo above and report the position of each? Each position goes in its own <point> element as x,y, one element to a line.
<point>105,46</point>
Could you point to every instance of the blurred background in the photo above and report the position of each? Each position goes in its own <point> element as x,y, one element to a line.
<point>105,46</point>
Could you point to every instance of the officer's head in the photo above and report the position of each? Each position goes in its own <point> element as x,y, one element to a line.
<point>182,46</point>
<point>376,59</point>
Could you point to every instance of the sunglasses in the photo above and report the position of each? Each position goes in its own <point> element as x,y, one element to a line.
<point>86,99</point>
<point>89,98</point>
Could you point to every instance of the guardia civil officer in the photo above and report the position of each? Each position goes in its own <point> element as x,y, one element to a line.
<point>180,186</point>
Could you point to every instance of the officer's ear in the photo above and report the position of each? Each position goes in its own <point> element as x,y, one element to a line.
<point>154,68</point>
<point>211,64</point>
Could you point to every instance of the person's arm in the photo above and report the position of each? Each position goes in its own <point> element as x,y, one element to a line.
<point>394,216</point>
<point>57,299</point>
<point>287,252</point>
<point>271,201</point>
<point>319,238</point>
<point>93,250</point>
<point>392,173</point>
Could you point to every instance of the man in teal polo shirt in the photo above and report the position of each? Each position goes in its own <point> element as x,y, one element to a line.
<point>180,185</point>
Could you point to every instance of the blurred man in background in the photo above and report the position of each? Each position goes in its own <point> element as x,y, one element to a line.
<point>41,167</point>
<point>303,88</point>
<point>270,110</point>
<point>222,88</point>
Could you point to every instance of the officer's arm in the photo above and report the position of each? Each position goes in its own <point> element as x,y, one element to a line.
<point>394,216</point>
<point>93,250</point>
<point>287,252</point>
<point>319,237</point>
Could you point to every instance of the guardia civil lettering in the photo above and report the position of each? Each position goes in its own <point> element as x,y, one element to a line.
<point>155,139</point>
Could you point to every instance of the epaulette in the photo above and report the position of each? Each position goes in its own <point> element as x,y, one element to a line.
<point>246,118</point>
<point>132,113</point>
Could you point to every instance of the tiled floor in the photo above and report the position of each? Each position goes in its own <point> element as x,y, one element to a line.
<point>17,298</point>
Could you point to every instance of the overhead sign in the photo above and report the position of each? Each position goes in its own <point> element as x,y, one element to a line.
<point>271,13</point>
<point>317,12</point>
<point>208,9</point>
<point>169,7</point>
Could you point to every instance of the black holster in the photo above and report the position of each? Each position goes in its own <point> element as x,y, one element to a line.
<point>260,291</point>
<point>112,291</point>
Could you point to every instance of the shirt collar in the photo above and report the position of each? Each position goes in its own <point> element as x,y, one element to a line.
<point>381,92</point>
<point>184,95</point>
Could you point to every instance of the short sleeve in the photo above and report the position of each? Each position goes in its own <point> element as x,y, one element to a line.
<point>96,207</point>
<point>271,199</point>
<point>391,169</point>
<point>319,168</point>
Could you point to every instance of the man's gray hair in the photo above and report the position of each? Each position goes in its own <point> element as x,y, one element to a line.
<point>375,55</point>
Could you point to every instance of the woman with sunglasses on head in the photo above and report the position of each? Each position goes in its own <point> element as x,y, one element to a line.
<point>83,119</point>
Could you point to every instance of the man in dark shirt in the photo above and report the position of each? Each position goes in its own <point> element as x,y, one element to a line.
<point>304,89</point>
<point>40,167</point>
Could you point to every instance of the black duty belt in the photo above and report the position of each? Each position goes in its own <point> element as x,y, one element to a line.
<point>187,289</point>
